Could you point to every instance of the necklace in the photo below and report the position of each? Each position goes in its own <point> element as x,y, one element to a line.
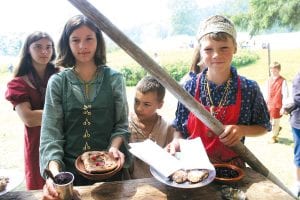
<point>223,100</point>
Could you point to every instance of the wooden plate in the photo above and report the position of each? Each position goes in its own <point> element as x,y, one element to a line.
<point>238,170</point>
<point>95,176</point>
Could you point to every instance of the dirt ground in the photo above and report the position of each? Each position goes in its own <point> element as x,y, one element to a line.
<point>278,158</point>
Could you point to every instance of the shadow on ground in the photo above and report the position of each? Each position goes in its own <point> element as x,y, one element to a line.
<point>285,141</point>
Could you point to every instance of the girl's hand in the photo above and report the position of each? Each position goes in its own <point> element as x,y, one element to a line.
<point>49,192</point>
<point>118,155</point>
<point>231,136</point>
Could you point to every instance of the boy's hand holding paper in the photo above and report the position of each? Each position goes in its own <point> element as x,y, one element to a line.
<point>192,156</point>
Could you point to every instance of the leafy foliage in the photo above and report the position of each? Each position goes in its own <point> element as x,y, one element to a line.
<point>132,75</point>
<point>10,44</point>
<point>177,70</point>
<point>185,16</point>
<point>177,64</point>
<point>244,58</point>
<point>267,14</point>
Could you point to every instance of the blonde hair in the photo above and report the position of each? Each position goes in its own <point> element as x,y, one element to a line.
<point>275,65</point>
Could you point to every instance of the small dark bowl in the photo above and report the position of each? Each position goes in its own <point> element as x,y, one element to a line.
<point>227,173</point>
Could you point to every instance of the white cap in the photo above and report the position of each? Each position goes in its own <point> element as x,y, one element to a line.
<point>214,26</point>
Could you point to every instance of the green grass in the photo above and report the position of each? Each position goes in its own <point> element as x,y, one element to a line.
<point>289,60</point>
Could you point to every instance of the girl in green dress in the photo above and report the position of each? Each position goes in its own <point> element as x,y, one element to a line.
<point>85,108</point>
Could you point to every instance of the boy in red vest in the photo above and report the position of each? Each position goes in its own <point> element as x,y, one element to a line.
<point>277,92</point>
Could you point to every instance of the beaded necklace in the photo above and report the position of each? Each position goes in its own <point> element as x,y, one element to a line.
<point>223,100</point>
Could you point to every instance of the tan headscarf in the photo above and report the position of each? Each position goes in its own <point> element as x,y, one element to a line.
<point>214,24</point>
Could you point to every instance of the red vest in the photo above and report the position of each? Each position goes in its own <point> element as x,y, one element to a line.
<point>215,149</point>
<point>275,92</point>
<point>274,100</point>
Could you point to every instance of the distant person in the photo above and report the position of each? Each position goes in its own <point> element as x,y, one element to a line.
<point>156,58</point>
<point>10,68</point>
<point>277,93</point>
<point>295,124</point>
<point>195,68</point>
<point>234,100</point>
<point>146,123</point>
<point>85,106</point>
<point>26,92</point>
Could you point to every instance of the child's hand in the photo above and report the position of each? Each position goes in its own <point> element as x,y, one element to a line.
<point>231,135</point>
<point>173,146</point>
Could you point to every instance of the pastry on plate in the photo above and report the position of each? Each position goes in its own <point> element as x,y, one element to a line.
<point>98,161</point>
<point>3,183</point>
<point>179,176</point>
<point>197,175</point>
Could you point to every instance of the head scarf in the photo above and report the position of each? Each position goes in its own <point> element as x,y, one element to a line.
<point>216,24</point>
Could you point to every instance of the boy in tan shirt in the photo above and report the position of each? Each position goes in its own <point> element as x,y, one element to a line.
<point>146,123</point>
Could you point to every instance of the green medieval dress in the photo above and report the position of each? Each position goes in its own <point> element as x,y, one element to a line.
<point>81,117</point>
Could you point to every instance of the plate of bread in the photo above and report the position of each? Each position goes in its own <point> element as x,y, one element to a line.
<point>192,178</point>
<point>97,165</point>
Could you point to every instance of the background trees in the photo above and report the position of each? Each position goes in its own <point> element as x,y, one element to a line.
<point>10,44</point>
<point>264,15</point>
<point>185,16</point>
<point>253,16</point>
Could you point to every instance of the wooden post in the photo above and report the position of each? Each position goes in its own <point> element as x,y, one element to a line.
<point>269,58</point>
<point>169,83</point>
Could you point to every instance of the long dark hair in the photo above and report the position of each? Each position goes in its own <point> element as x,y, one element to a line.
<point>65,56</point>
<point>25,65</point>
<point>197,65</point>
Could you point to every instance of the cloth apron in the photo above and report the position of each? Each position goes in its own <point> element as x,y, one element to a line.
<point>88,123</point>
<point>216,150</point>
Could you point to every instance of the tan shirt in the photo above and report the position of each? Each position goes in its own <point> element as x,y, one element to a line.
<point>162,134</point>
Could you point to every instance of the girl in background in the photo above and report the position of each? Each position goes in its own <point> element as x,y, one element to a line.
<point>26,92</point>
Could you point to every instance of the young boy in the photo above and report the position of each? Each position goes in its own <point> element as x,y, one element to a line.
<point>277,94</point>
<point>234,100</point>
<point>146,123</point>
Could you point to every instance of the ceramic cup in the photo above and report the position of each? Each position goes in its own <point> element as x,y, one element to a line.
<point>64,185</point>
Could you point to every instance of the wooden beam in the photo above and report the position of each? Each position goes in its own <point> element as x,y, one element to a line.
<point>170,84</point>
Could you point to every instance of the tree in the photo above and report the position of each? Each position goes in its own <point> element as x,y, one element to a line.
<point>185,16</point>
<point>266,14</point>
<point>10,44</point>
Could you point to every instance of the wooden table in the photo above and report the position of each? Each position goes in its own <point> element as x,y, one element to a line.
<point>253,184</point>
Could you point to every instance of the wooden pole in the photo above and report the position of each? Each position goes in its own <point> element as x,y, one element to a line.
<point>163,77</point>
<point>269,58</point>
